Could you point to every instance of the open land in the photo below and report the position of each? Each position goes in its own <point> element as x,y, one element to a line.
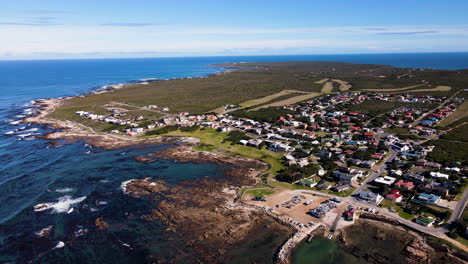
<point>284,133</point>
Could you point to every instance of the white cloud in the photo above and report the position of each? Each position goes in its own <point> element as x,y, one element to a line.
<point>141,38</point>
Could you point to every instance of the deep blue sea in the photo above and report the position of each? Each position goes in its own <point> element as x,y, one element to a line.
<point>84,183</point>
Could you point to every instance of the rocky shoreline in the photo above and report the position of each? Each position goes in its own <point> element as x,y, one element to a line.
<point>193,210</point>
<point>204,212</point>
<point>366,238</point>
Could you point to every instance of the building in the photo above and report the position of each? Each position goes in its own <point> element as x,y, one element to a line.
<point>424,221</point>
<point>367,164</point>
<point>400,147</point>
<point>385,180</point>
<point>308,183</point>
<point>341,188</point>
<point>394,196</point>
<point>439,175</point>
<point>344,178</point>
<point>404,185</point>
<point>370,197</point>
<point>428,198</point>
<point>324,185</point>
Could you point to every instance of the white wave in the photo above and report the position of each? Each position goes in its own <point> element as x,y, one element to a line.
<point>24,135</point>
<point>70,211</point>
<point>81,231</point>
<point>15,122</point>
<point>20,116</point>
<point>60,244</point>
<point>31,129</point>
<point>64,190</point>
<point>10,132</point>
<point>123,185</point>
<point>101,203</point>
<point>63,204</point>
<point>93,209</point>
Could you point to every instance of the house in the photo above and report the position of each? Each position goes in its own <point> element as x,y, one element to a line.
<point>394,196</point>
<point>385,180</point>
<point>400,147</point>
<point>367,164</point>
<point>370,197</point>
<point>428,198</point>
<point>254,143</point>
<point>437,188</point>
<point>325,185</point>
<point>344,178</point>
<point>439,175</point>
<point>404,185</point>
<point>307,183</point>
<point>277,146</point>
<point>341,188</point>
<point>424,221</point>
<point>138,130</point>
<point>324,154</point>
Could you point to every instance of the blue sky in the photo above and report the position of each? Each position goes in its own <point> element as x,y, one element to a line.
<point>46,29</point>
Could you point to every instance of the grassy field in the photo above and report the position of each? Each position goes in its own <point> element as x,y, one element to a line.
<point>288,101</point>
<point>199,95</point>
<point>260,192</point>
<point>461,112</point>
<point>268,98</point>
<point>406,215</point>
<point>387,204</point>
<point>451,147</point>
<point>396,89</point>
<point>211,140</point>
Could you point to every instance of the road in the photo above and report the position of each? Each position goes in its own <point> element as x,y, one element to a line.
<point>437,232</point>
<point>433,110</point>
<point>376,173</point>
<point>461,204</point>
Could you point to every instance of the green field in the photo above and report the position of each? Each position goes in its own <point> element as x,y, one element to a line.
<point>461,112</point>
<point>406,215</point>
<point>260,192</point>
<point>211,140</point>
<point>199,95</point>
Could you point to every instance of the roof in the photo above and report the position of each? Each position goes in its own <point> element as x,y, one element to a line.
<point>425,220</point>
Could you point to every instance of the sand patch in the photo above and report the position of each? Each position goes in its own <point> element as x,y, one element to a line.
<point>289,101</point>
<point>327,87</point>
<point>322,81</point>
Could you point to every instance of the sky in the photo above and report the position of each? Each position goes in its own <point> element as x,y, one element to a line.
<point>61,29</point>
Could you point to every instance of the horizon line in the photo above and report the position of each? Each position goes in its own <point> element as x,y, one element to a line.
<point>220,56</point>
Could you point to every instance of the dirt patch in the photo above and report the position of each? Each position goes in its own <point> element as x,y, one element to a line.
<point>289,101</point>
<point>344,86</point>
<point>323,80</point>
<point>327,87</point>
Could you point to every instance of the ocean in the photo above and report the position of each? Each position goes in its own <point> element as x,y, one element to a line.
<point>81,183</point>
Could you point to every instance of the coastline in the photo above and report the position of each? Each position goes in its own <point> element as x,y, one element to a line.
<point>182,152</point>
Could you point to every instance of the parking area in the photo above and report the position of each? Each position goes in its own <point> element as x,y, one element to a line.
<point>291,204</point>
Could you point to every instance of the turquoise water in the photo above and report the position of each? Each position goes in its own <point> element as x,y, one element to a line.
<point>322,251</point>
<point>85,186</point>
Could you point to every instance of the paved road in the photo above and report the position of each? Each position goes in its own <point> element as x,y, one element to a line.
<point>376,173</point>
<point>461,204</point>
<point>433,110</point>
